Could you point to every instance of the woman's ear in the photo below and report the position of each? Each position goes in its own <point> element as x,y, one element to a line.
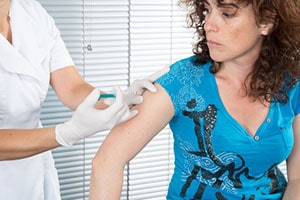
<point>266,28</point>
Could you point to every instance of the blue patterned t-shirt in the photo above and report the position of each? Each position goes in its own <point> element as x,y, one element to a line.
<point>215,157</point>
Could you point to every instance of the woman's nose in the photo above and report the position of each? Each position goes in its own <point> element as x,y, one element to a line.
<point>210,23</point>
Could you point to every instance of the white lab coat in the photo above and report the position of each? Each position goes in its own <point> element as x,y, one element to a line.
<point>25,66</point>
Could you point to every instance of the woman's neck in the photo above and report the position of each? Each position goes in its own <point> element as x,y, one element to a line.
<point>236,71</point>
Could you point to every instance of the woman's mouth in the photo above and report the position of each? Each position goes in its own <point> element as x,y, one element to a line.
<point>212,43</point>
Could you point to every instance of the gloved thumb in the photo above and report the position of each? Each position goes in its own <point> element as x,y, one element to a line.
<point>158,74</point>
<point>121,98</point>
<point>118,92</point>
<point>132,114</point>
<point>92,98</point>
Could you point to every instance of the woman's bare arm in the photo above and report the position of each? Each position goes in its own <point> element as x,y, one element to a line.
<point>20,143</point>
<point>69,86</point>
<point>293,189</point>
<point>125,141</point>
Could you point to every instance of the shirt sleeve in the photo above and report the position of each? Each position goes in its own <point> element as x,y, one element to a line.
<point>169,83</point>
<point>176,82</point>
<point>59,57</point>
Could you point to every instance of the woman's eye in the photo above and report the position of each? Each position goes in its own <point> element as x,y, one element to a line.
<point>228,12</point>
<point>228,15</point>
<point>205,11</point>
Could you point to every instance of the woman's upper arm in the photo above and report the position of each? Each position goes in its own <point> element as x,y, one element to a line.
<point>127,139</point>
<point>293,162</point>
<point>69,86</point>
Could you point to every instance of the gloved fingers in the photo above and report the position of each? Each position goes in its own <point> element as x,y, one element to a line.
<point>139,86</point>
<point>119,94</point>
<point>135,100</point>
<point>147,84</point>
<point>158,74</point>
<point>119,101</point>
<point>131,114</point>
<point>107,98</point>
<point>109,101</point>
<point>91,99</point>
<point>132,99</point>
<point>125,115</point>
<point>88,120</point>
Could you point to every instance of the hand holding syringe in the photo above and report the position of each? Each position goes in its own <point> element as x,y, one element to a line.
<point>133,95</point>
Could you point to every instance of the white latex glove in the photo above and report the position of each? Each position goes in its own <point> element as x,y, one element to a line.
<point>87,120</point>
<point>133,95</point>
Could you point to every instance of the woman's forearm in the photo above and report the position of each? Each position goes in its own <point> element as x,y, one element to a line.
<point>21,143</point>
<point>106,180</point>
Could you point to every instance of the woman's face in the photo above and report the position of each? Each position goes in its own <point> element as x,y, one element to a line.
<point>232,33</point>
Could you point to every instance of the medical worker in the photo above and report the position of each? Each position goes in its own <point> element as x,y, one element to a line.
<point>32,57</point>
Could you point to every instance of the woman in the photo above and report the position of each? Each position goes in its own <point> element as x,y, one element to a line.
<point>32,56</point>
<point>233,108</point>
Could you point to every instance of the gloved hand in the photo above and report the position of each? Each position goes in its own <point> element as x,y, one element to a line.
<point>87,120</point>
<point>133,95</point>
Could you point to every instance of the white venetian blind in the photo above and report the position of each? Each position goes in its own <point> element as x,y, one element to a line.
<point>156,32</point>
<point>112,43</point>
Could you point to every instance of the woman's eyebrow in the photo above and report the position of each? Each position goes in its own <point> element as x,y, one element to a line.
<point>206,2</point>
<point>221,5</point>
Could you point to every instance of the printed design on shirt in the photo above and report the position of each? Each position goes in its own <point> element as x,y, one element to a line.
<point>225,171</point>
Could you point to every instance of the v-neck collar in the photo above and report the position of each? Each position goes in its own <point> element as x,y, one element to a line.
<point>223,109</point>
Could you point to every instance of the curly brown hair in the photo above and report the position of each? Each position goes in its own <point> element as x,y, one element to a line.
<point>277,69</point>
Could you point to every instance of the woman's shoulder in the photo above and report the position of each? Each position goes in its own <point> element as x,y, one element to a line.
<point>32,7</point>
<point>29,4</point>
<point>188,60</point>
<point>184,71</point>
<point>190,64</point>
<point>35,13</point>
<point>192,61</point>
